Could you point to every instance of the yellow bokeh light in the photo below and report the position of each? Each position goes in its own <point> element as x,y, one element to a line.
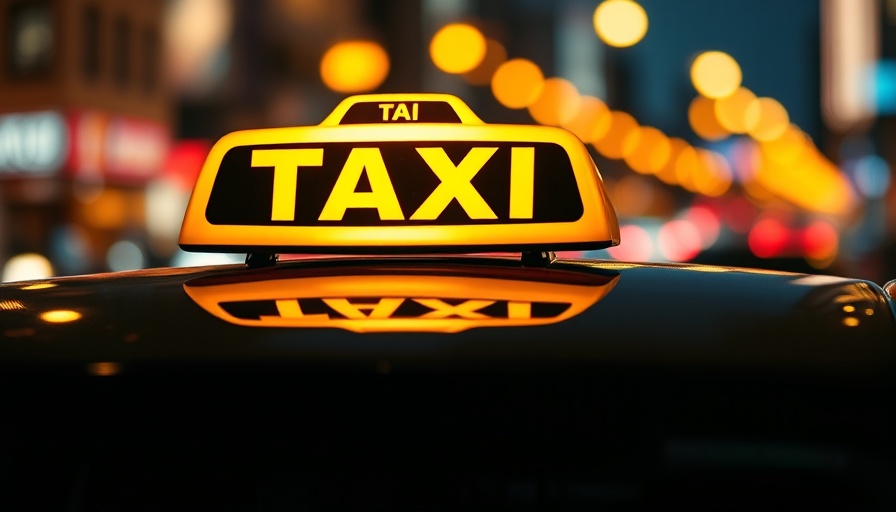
<point>592,120</point>
<point>457,48</point>
<point>787,147</point>
<point>702,117</point>
<point>60,316</point>
<point>667,173</point>
<point>646,150</point>
<point>712,176</point>
<point>715,74</point>
<point>687,165</point>
<point>556,104</point>
<point>620,23</point>
<point>517,83</point>
<point>733,112</point>
<point>495,55</point>
<point>354,66</point>
<point>611,144</point>
<point>771,119</point>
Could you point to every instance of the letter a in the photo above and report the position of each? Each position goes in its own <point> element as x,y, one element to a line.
<point>381,195</point>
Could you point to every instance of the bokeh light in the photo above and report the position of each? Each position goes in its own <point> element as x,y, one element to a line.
<point>646,150</point>
<point>733,112</point>
<point>27,266</point>
<point>591,121</point>
<point>495,55</point>
<point>638,245</point>
<point>457,48</point>
<point>612,143</point>
<point>679,240</point>
<point>715,74</point>
<point>517,83</point>
<point>60,316</point>
<point>125,255</point>
<point>667,174</point>
<point>820,240</point>
<point>702,117</point>
<point>620,23</point>
<point>354,66</point>
<point>770,119</point>
<point>768,238</point>
<point>556,104</point>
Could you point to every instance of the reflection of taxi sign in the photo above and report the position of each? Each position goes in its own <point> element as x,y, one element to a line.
<point>400,300</point>
<point>399,173</point>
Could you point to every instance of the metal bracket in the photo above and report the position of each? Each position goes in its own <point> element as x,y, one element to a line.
<point>261,259</point>
<point>537,258</point>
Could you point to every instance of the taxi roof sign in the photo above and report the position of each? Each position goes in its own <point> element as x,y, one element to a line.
<point>399,173</point>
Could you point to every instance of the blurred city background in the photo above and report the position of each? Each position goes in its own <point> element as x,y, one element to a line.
<point>744,132</point>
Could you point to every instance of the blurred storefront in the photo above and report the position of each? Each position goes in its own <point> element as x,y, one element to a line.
<point>85,125</point>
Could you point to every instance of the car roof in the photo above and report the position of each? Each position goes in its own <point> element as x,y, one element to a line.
<point>646,314</point>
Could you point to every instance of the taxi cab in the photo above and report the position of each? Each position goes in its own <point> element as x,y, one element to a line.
<point>435,353</point>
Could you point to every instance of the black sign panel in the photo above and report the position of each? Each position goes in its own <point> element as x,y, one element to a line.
<point>400,112</point>
<point>409,309</point>
<point>404,175</point>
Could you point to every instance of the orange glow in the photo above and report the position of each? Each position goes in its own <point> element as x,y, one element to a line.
<point>646,150</point>
<point>633,196</point>
<point>771,119</point>
<point>687,165</point>
<point>667,174</point>
<point>702,117</point>
<point>734,113</point>
<point>620,23</point>
<point>517,83</point>
<point>104,369</point>
<point>557,103</point>
<point>638,246</point>
<point>715,74</point>
<point>811,182</point>
<point>787,147</point>
<point>362,303</point>
<point>611,144</point>
<point>851,321</point>
<point>354,66</point>
<point>495,55</point>
<point>109,210</point>
<point>60,316</point>
<point>457,48</point>
<point>592,120</point>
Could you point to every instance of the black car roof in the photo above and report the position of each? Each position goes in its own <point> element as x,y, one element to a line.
<point>688,315</point>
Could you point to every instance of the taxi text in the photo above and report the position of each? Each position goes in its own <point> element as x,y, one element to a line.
<point>385,308</point>
<point>455,182</point>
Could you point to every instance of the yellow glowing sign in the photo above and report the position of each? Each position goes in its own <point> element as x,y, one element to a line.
<point>401,300</point>
<point>399,173</point>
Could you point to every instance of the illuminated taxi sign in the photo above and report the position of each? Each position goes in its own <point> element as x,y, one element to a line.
<point>398,300</point>
<point>392,173</point>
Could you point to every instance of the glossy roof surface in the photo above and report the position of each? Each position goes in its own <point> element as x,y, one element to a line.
<point>639,314</point>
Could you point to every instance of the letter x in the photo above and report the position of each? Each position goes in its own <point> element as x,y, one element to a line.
<point>466,309</point>
<point>455,183</point>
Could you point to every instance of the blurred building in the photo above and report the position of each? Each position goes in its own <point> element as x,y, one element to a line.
<point>85,124</point>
